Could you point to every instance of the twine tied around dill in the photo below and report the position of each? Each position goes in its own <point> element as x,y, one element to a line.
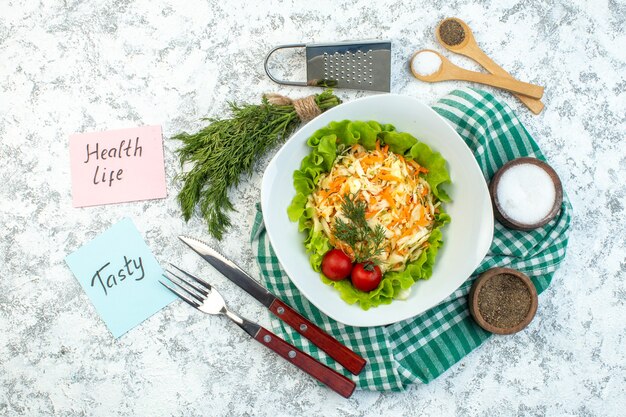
<point>306,108</point>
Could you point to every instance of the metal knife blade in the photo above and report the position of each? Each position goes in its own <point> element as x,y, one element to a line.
<point>230,270</point>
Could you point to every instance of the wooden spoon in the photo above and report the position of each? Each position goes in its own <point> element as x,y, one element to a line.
<point>470,49</point>
<point>449,71</point>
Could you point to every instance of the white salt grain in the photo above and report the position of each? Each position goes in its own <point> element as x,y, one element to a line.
<point>526,193</point>
<point>426,63</point>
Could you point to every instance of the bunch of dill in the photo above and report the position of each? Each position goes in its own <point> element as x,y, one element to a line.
<point>365,242</point>
<point>226,149</point>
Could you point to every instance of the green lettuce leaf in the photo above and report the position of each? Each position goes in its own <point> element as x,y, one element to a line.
<point>435,163</point>
<point>317,244</point>
<point>325,143</point>
<point>398,142</point>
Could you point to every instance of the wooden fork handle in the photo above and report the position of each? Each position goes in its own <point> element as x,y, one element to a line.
<point>333,348</point>
<point>331,378</point>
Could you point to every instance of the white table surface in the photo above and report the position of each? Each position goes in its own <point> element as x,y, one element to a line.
<point>84,66</point>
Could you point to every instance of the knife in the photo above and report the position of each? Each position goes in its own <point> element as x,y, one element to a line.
<point>333,348</point>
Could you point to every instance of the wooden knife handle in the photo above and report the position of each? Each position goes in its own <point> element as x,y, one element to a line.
<point>333,348</point>
<point>308,364</point>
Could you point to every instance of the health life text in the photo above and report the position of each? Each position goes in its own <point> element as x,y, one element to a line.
<point>124,150</point>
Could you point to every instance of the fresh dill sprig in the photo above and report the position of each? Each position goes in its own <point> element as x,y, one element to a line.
<point>366,243</point>
<point>226,149</point>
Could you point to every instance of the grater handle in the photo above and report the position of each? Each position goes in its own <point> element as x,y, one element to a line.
<point>267,70</point>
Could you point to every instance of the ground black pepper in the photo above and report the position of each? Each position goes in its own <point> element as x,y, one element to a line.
<point>451,32</point>
<point>504,301</point>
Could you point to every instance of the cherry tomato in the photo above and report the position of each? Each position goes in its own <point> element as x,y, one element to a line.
<point>336,265</point>
<point>366,276</point>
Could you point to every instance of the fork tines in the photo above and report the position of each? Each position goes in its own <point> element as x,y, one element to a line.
<point>194,290</point>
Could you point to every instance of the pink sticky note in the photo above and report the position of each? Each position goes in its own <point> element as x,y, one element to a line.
<point>117,166</point>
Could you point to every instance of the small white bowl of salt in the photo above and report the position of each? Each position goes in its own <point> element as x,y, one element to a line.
<point>526,194</point>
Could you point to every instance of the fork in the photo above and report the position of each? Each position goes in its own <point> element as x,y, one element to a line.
<point>201,295</point>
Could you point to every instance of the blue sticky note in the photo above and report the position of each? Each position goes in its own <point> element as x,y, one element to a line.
<point>121,276</point>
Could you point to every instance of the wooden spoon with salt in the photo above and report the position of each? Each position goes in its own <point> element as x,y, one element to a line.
<point>464,43</point>
<point>448,71</point>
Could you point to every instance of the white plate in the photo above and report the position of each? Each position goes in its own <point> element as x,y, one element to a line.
<point>466,239</point>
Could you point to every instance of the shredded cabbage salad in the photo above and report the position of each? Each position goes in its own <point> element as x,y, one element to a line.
<point>398,177</point>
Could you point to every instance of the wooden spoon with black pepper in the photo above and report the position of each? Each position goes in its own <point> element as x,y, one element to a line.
<point>454,35</point>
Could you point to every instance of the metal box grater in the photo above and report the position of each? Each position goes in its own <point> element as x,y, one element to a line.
<point>364,65</point>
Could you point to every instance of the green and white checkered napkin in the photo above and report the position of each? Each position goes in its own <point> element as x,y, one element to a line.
<point>422,348</point>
